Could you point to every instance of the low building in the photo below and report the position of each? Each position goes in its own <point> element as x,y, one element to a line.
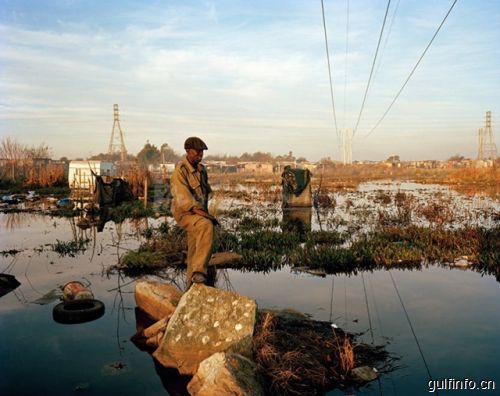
<point>307,165</point>
<point>164,168</point>
<point>80,173</point>
<point>255,167</point>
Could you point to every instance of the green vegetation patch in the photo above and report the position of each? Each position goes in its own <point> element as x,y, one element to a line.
<point>489,251</point>
<point>266,240</point>
<point>326,238</point>
<point>130,210</point>
<point>248,223</point>
<point>143,261</point>
<point>70,248</point>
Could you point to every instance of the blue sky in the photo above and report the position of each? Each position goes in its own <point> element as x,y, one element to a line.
<point>248,75</point>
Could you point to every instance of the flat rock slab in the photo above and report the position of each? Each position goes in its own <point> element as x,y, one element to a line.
<point>207,321</point>
<point>158,299</point>
<point>226,374</point>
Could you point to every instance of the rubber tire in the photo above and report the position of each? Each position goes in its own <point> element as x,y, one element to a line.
<point>78,311</point>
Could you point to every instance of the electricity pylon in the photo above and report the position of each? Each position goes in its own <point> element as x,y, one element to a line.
<point>116,143</point>
<point>487,149</point>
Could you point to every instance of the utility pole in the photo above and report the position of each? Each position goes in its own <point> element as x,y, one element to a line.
<point>116,143</point>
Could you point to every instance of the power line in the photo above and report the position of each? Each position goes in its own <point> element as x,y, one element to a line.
<point>393,17</point>
<point>331,298</point>
<point>329,68</point>
<point>368,308</point>
<point>413,70</point>
<point>411,327</point>
<point>346,57</point>
<point>373,66</point>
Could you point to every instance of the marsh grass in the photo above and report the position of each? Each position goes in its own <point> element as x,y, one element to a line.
<point>144,261</point>
<point>402,229</point>
<point>130,210</point>
<point>489,252</point>
<point>299,356</point>
<point>70,248</point>
<point>269,240</point>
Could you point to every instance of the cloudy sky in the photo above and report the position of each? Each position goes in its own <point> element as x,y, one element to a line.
<point>248,75</point>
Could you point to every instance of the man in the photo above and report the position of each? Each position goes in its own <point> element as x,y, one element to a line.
<point>190,190</point>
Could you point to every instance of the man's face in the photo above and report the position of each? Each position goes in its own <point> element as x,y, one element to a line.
<point>194,156</point>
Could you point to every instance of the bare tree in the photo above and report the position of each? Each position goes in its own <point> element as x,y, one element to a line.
<point>168,154</point>
<point>12,151</point>
<point>40,151</point>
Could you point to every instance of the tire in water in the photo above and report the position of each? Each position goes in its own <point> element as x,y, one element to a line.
<point>78,311</point>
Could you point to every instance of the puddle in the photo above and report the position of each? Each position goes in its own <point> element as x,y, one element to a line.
<point>454,313</point>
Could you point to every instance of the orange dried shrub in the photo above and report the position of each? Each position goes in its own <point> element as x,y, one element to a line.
<point>135,176</point>
<point>45,176</point>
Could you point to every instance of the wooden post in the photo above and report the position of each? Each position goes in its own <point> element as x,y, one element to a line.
<point>145,192</point>
<point>80,186</point>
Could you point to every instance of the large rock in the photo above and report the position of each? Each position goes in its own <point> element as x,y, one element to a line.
<point>226,374</point>
<point>206,321</point>
<point>157,299</point>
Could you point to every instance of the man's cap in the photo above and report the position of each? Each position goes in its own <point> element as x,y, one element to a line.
<point>195,143</point>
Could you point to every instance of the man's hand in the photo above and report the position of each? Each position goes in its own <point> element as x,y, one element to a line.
<point>207,215</point>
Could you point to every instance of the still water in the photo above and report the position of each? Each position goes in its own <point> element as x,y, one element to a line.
<point>454,314</point>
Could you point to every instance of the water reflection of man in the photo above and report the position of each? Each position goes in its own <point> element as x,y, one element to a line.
<point>190,190</point>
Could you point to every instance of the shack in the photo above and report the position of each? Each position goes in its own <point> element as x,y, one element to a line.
<point>81,173</point>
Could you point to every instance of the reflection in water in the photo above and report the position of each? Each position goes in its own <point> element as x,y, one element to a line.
<point>297,220</point>
<point>7,284</point>
<point>15,220</point>
<point>173,382</point>
<point>454,313</point>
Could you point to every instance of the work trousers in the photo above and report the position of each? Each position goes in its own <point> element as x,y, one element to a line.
<point>200,233</point>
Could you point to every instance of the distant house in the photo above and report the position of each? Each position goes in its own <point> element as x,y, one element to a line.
<point>307,165</point>
<point>167,167</point>
<point>215,166</point>
<point>229,169</point>
<point>483,163</point>
<point>280,165</point>
<point>255,167</point>
<point>80,173</point>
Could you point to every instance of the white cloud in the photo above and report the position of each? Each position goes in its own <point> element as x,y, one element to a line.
<point>249,77</point>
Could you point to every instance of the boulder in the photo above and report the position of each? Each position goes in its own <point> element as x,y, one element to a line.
<point>462,262</point>
<point>151,336</point>
<point>226,374</point>
<point>206,321</point>
<point>157,299</point>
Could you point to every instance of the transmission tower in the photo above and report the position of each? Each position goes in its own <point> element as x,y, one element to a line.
<point>487,149</point>
<point>116,143</point>
<point>346,145</point>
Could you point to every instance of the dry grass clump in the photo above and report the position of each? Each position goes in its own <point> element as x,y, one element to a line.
<point>45,176</point>
<point>346,355</point>
<point>135,176</point>
<point>299,356</point>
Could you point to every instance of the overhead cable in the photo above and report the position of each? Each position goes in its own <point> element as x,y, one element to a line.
<point>373,66</point>
<point>368,308</point>
<point>346,57</point>
<point>413,70</point>
<point>331,298</point>
<point>411,327</point>
<point>329,68</point>
<point>393,17</point>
